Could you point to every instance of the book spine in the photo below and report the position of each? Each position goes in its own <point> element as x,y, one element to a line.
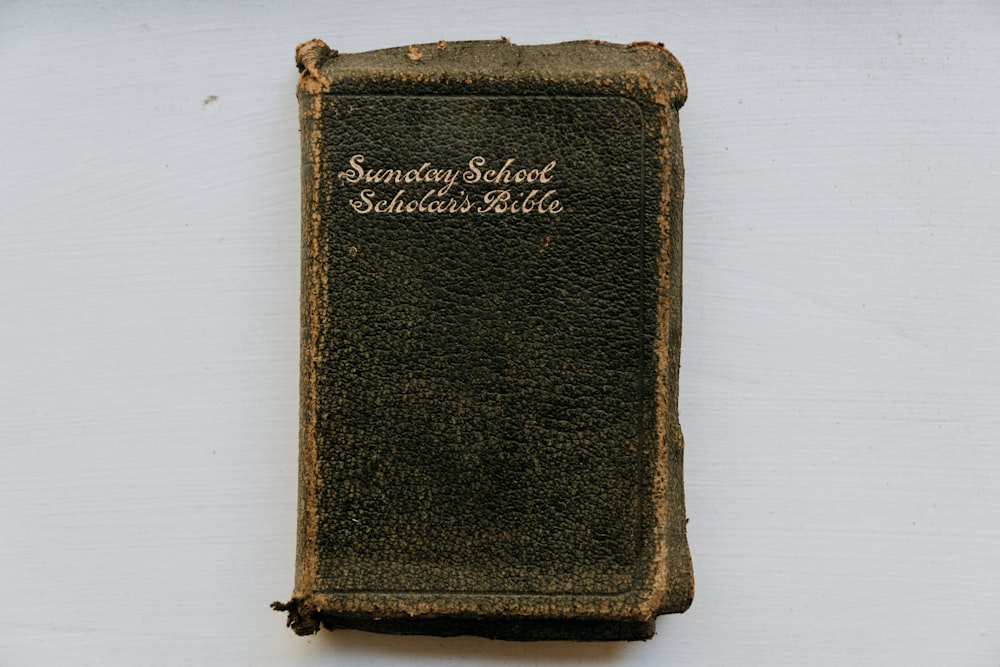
<point>677,574</point>
<point>314,291</point>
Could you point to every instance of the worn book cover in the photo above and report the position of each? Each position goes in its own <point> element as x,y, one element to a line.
<point>491,303</point>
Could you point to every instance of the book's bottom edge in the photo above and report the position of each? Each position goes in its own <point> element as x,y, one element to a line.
<point>305,620</point>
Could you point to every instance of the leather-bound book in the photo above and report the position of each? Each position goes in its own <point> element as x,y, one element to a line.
<point>491,303</point>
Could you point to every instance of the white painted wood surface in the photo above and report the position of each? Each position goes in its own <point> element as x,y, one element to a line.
<point>841,367</point>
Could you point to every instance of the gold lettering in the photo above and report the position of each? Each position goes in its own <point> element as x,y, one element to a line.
<point>501,200</point>
<point>355,172</point>
<point>365,205</point>
<point>473,174</point>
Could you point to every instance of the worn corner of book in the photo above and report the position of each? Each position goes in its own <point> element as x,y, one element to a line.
<point>678,593</point>
<point>669,84</point>
<point>303,615</point>
<point>309,58</point>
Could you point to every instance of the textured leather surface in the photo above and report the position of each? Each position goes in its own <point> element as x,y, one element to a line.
<point>485,448</point>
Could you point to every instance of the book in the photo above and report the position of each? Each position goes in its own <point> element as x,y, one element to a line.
<point>490,330</point>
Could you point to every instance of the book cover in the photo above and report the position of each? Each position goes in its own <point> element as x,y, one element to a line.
<point>491,301</point>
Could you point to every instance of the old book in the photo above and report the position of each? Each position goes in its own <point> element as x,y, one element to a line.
<point>491,300</point>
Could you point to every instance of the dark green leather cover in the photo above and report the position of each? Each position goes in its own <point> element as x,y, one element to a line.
<point>490,336</point>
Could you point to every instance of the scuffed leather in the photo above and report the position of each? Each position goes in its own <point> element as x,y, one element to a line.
<point>489,411</point>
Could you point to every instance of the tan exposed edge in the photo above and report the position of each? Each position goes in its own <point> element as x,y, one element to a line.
<point>309,58</point>
<point>303,613</point>
<point>312,344</point>
<point>670,437</point>
<point>675,86</point>
<point>652,603</point>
